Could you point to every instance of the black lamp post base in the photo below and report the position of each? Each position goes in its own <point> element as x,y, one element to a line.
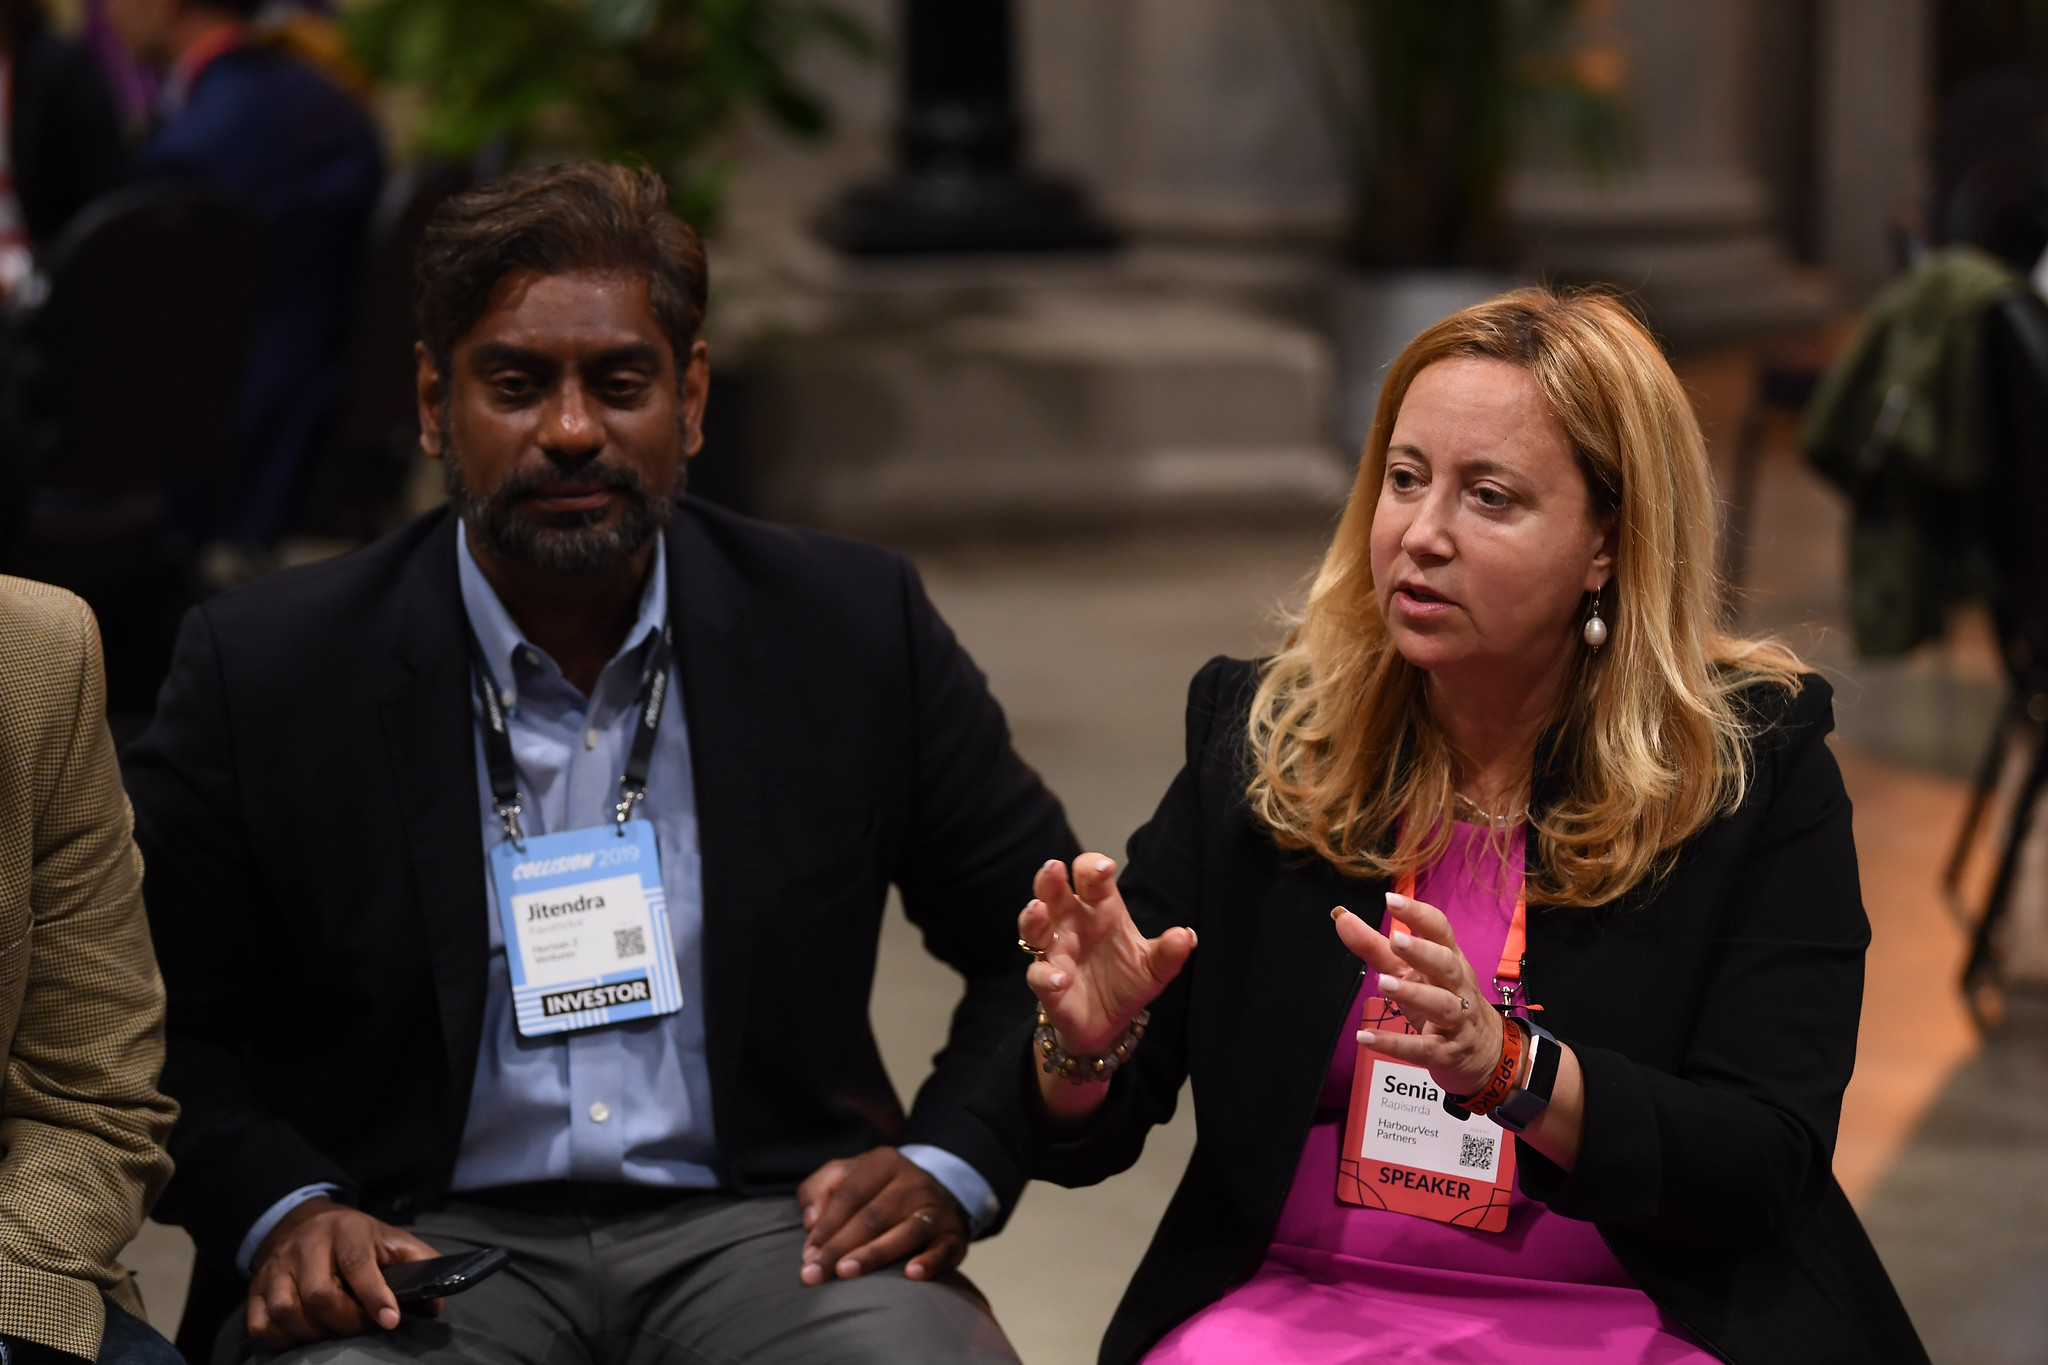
<point>934,214</point>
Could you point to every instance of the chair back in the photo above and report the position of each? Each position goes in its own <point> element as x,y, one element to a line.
<point>2016,506</point>
<point>136,352</point>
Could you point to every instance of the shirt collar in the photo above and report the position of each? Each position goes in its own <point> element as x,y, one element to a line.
<point>500,635</point>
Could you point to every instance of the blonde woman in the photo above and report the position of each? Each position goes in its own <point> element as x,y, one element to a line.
<point>1562,1083</point>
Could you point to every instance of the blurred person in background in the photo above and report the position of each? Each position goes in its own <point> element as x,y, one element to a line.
<point>361,770</point>
<point>82,1123</point>
<point>62,145</point>
<point>253,118</point>
<point>1582,1104</point>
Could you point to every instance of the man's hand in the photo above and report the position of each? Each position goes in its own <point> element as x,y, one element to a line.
<point>320,1273</point>
<point>872,1212</point>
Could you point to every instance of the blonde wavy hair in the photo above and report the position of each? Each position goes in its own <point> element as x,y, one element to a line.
<point>1650,737</point>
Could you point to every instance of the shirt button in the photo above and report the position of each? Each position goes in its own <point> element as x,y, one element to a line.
<point>507,697</point>
<point>599,1111</point>
<point>532,657</point>
<point>590,738</point>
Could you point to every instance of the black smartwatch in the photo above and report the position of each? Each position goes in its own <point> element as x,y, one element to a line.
<point>1526,1104</point>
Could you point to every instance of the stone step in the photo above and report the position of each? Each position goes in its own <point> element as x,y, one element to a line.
<point>1044,405</point>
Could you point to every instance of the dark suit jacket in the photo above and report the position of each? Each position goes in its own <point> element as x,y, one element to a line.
<point>64,135</point>
<point>268,127</point>
<point>1714,1017</point>
<point>306,802</point>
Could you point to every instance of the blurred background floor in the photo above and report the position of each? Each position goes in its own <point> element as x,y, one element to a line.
<point>1090,645</point>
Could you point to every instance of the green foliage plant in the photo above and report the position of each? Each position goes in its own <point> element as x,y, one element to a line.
<point>654,81</point>
<point>1432,103</point>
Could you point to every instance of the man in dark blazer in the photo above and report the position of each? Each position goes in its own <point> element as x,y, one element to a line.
<point>354,763</point>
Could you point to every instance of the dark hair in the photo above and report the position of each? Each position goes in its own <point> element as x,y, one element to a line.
<point>576,215</point>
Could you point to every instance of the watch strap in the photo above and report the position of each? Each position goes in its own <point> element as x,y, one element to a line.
<point>1526,1103</point>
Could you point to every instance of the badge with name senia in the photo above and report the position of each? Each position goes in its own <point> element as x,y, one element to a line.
<point>1403,1153</point>
<point>586,928</point>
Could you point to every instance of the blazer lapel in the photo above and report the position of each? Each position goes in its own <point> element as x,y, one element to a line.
<point>1320,975</point>
<point>719,658</point>
<point>430,729</point>
<point>1304,979</point>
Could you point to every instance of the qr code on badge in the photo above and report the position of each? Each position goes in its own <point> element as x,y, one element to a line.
<point>630,942</point>
<point>1474,1151</point>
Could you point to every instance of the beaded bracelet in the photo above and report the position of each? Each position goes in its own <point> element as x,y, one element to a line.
<point>1057,1061</point>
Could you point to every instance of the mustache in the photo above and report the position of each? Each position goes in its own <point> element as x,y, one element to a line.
<point>522,484</point>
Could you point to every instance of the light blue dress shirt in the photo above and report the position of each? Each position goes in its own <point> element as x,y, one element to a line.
<point>626,1103</point>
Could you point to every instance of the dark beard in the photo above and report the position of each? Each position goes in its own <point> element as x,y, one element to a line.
<point>572,544</point>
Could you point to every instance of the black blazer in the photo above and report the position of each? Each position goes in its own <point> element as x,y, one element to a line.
<point>1714,1017</point>
<point>306,801</point>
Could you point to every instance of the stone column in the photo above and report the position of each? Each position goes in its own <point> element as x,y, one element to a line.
<point>1875,116</point>
<point>1192,120</point>
<point>1689,227</point>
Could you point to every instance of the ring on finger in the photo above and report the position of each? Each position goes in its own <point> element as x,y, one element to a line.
<point>1037,953</point>
<point>1463,1004</point>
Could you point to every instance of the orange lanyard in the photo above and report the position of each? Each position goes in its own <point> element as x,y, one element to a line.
<point>1507,977</point>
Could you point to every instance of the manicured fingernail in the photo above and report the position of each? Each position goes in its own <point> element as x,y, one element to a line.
<point>1103,865</point>
<point>1399,938</point>
<point>387,1318</point>
<point>914,1271</point>
<point>1049,864</point>
<point>1365,1036</point>
<point>848,1268</point>
<point>812,1274</point>
<point>1338,913</point>
<point>1059,980</point>
<point>1389,983</point>
<point>1396,900</point>
<point>1194,939</point>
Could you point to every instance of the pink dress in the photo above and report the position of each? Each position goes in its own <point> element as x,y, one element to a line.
<point>1342,1283</point>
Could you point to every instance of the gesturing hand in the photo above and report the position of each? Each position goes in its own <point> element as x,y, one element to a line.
<point>872,1212</point>
<point>1098,970</point>
<point>1426,975</point>
<point>320,1273</point>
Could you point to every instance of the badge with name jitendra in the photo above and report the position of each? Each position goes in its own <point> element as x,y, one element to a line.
<point>586,928</point>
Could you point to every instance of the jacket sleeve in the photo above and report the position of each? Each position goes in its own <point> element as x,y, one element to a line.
<point>1837,424</point>
<point>236,1157</point>
<point>982,824</point>
<point>84,1123</point>
<point>1162,888</point>
<point>1739,1143</point>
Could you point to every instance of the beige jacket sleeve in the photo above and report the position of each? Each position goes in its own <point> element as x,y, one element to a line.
<point>82,1124</point>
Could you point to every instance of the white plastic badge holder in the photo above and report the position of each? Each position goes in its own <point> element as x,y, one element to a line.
<point>586,928</point>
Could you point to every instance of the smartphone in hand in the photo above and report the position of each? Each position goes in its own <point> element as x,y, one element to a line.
<point>417,1281</point>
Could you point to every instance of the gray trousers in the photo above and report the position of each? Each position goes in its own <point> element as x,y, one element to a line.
<point>705,1281</point>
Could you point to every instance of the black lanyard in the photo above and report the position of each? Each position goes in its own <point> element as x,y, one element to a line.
<point>504,771</point>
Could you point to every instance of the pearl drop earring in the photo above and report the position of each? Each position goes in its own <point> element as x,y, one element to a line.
<point>1596,629</point>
